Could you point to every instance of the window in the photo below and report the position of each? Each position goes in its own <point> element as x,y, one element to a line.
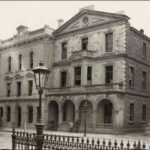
<point>9,64</point>
<point>20,62</point>
<point>63,79</point>
<point>30,87</point>
<point>8,117</point>
<point>64,50</point>
<point>109,42</point>
<point>143,80</point>
<point>89,75</point>
<point>77,75</point>
<point>144,113</point>
<point>109,74</point>
<point>18,89</point>
<point>8,89</point>
<point>84,44</point>
<point>30,114</point>
<point>131,115</point>
<point>31,60</point>
<point>144,50</point>
<point>131,77</point>
<point>1,112</point>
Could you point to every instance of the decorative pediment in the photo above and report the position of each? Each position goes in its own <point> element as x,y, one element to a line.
<point>87,18</point>
<point>8,78</point>
<point>18,76</point>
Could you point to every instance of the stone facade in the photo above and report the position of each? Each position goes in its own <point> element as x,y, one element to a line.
<point>112,98</point>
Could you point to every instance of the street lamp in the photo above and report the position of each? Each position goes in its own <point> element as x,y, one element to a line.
<point>41,76</point>
<point>85,110</point>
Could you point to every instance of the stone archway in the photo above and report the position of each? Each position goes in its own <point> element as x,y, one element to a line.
<point>53,115</point>
<point>18,116</point>
<point>68,110</point>
<point>89,112</point>
<point>105,115</point>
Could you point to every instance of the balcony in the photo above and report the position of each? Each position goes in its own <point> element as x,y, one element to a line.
<point>87,89</point>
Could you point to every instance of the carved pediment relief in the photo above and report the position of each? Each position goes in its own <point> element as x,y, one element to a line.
<point>29,74</point>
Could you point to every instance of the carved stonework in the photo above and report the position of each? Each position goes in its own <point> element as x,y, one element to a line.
<point>18,76</point>
<point>8,78</point>
<point>29,74</point>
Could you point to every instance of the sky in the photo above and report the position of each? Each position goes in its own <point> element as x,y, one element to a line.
<point>36,14</point>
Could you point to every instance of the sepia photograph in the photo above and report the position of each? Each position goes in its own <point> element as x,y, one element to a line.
<point>74,75</point>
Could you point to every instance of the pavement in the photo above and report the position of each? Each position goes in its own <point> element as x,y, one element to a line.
<point>5,137</point>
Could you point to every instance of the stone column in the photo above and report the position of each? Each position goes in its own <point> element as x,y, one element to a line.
<point>60,116</point>
<point>94,118</point>
<point>76,114</point>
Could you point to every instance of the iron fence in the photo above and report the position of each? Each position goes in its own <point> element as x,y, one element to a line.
<point>27,141</point>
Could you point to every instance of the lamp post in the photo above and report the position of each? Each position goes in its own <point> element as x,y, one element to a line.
<point>41,76</point>
<point>85,110</point>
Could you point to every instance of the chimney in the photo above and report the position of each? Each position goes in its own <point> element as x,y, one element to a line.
<point>60,22</point>
<point>90,7</point>
<point>142,31</point>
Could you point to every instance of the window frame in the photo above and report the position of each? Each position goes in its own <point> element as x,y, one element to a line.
<point>30,114</point>
<point>76,76</point>
<point>108,44</point>
<point>19,88</point>
<point>84,40</point>
<point>62,85</point>
<point>131,112</point>
<point>110,74</point>
<point>30,87</point>
<point>9,64</point>
<point>64,50</point>
<point>20,62</point>
<point>8,88</point>
<point>8,114</point>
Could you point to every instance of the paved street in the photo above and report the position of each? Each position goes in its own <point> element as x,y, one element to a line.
<point>5,137</point>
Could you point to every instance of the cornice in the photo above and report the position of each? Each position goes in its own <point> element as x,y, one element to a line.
<point>25,42</point>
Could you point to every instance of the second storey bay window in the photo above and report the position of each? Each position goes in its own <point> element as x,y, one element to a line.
<point>64,50</point>
<point>108,74</point>
<point>109,42</point>
<point>131,77</point>
<point>18,89</point>
<point>89,75</point>
<point>84,44</point>
<point>8,88</point>
<point>143,80</point>
<point>19,62</point>
<point>9,64</point>
<point>77,76</point>
<point>30,87</point>
<point>31,60</point>
<point>63,78</point>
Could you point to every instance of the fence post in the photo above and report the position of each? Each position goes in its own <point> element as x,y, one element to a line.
<point>13,138</point>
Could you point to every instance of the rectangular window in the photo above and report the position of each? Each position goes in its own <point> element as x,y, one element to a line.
<point>131,77</point>
<point>30,114</point>
<point>8,117</point>
<point>9,64</point>
<point>144,50</point>
<point>18,89</point>
<point>143,80</point>
<point>84,44</point>
<point>77,75</point>
<point>131,115</point>
<point>109,74</point>
<point>109,42</point>
<point>63,79</point>
<point>64,50</point>
<point>8,89</point>
<point>30,87</point>
<point>144,113</point>
<point>89,75</point>
<point>1,112</point>
<point>31,60</point>
<point>20,62</point>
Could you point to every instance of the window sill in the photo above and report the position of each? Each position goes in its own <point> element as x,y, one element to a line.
<point>131,122</point>
<point>144,122</point>
<point>9,72</point>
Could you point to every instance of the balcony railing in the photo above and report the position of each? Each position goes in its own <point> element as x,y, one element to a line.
<point>88,88</point>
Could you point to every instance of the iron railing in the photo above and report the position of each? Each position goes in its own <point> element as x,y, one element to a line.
<point>27,141</point>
